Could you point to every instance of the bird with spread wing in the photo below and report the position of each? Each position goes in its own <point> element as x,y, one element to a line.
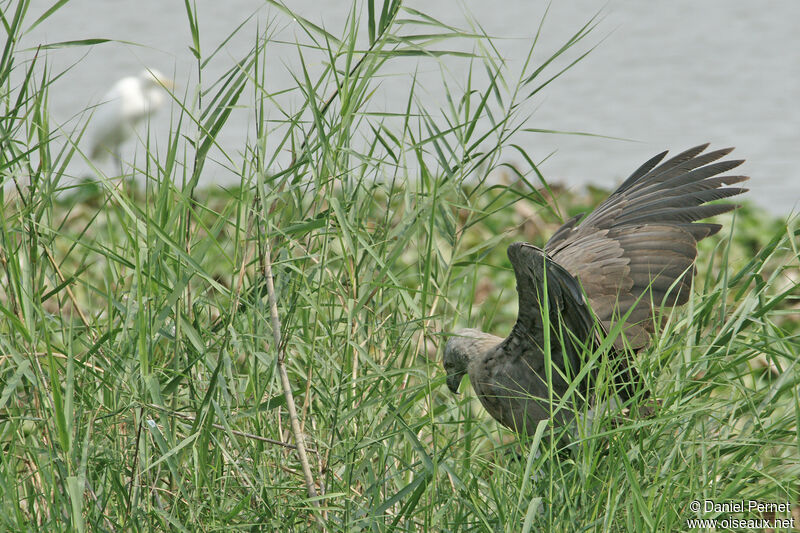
<point>631,256</point>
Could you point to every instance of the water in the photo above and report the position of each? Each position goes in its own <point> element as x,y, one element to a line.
<point>666,74</point>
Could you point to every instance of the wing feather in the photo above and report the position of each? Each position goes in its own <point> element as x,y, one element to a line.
<point>571,320</point>
<point>641,243</point>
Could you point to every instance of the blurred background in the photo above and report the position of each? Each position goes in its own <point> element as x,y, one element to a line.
<point>662,75</point>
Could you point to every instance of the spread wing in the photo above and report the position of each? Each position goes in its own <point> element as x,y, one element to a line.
<point>571,321</point>
<point>641,242</point>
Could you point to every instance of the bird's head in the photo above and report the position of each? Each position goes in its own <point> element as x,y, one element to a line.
<point>460,349</point>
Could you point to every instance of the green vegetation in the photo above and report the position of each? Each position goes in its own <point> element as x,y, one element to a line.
<point>139,384</point>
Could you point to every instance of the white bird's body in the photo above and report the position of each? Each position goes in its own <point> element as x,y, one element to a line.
<point>130,101</point>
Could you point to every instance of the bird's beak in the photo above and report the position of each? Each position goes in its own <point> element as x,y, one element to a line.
<point>453,381</point>
<point>165,82</point>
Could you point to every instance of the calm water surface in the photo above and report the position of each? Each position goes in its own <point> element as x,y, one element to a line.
<point>666,74</point>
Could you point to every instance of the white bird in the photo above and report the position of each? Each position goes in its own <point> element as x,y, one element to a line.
<point>130,101</point>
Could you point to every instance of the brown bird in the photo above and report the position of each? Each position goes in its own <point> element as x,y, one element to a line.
<point>633,254</point>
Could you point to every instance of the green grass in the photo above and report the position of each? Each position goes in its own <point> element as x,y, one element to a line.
<point>139,385</point>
